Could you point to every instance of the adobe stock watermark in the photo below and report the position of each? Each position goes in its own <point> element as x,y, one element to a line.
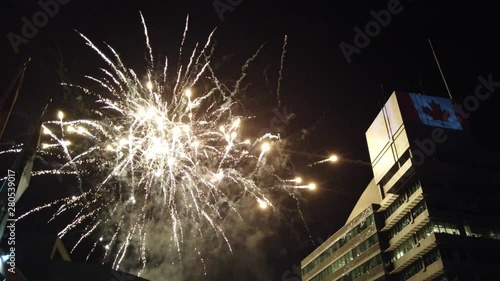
<point>372,29</point>
<point>222,6</point>
<point>30,28</point>
<point>278,123</point>
<point>482,92</point>
<point>11,220</point>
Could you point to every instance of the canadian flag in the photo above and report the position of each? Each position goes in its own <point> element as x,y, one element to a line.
<point>436,111</point>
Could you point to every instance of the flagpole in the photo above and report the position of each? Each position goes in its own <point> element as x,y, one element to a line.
<point>19,79</point>
<point>21,173</point>
<point>440,71</point>
<point>30,145</point>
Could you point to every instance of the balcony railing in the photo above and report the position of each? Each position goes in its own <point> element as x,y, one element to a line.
<point>422,248</point>
<point>409,230</point>
<point>430,272</point>
<point>404,209</point>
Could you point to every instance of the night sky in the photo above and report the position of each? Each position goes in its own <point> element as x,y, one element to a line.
<point>334,101</point>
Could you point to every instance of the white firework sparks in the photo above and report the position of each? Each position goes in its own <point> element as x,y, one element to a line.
<point>162,152</point>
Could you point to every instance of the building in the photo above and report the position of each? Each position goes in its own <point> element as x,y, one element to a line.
<point>432,205</point>
<point>350,253</point>
<point>44,257</point>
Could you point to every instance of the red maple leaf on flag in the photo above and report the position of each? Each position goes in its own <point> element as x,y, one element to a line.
<point>436,112</point>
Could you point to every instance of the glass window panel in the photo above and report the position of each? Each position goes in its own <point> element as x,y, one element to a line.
<point>347,258</point>
<point>339,243</point>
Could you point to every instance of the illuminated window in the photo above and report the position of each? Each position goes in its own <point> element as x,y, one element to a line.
<point>412,187</point>
<point>494,234</point>
<point>418,265</point>
<point>481,232</point>
<point>411,242</point>
<point>339,243</point>
<point>346,259</point>
<point>407,219</point>
<point>447,228</point>
<point>468,232</point>
<point>362,269</point>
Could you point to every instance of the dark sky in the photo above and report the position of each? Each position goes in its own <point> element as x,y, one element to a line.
<point>334,101</point>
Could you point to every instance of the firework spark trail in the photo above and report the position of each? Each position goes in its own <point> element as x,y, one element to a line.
<point>11,150</point>
<point>278,89</point>
<point>153,158</point>
<point>143,257</point>
<point>244,69</point>
<point>39,208</point>
<point>76,222</point>
<point>319,162</point>
<point>113,238</point>
<point>96,243</point>
<point>150,50</point>
<point>94,227</point>
<point>179,66</point>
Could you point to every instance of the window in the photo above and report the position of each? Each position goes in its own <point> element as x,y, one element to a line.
<point>362,269</point>
<point>468,232</point>
<point>445,227</point>
<point>413,186</point>
<point>400,251</point>
<point>478,232</point>
<point>494,234</point>
<point>347,258</point>
<point>339,243</point>
<point>411,270</point>
<point>418,209</point>
<point>424,232</point>
<point>407,219</point>
<point>419,265</point>
<point>411,242</point>
<point>431,257</point>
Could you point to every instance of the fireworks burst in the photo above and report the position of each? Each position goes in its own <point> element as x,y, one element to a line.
<point>160,151</point>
